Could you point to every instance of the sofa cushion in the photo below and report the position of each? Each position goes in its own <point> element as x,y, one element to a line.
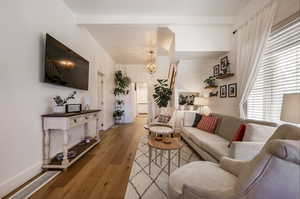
<point>188,118</point>
<point>239,134</point>
<point>258,133</point>
<point>211,143</point>
<point>208,124</point>
<point>193,174</point>
<point>227,126</point>
<point>245,150</point>
<point>197,119</point>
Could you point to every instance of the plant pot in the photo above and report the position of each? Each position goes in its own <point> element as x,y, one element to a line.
<point>190,107</point>
<point>59,109</point>
<point>181,107</point>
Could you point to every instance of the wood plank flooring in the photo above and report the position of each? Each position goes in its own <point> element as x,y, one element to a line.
<point>101,173</point>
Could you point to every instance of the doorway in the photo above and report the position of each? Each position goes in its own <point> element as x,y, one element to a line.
<point>142,98</point>
<point>100,104</point>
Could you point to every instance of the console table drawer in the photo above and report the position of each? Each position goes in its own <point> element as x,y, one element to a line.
<point>76,121</point>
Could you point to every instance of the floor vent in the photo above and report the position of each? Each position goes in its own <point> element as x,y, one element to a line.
<point>34,186</point>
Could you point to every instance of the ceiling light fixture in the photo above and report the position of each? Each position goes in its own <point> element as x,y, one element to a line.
<point>151,66</point>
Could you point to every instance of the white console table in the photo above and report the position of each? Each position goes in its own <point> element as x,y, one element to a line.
<point>63,122</point>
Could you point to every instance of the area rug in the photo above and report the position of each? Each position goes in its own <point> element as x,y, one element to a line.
<point>141,185</point>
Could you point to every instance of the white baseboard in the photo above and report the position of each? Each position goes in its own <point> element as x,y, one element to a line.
<point>19,179</point>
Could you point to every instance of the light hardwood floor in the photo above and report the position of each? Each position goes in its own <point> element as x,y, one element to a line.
<point>103,172</point>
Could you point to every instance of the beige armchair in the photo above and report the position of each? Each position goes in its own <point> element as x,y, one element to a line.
<point>273,174</point>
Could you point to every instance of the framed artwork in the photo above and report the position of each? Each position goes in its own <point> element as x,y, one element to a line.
<point>232,90</point>
<point>216,70</point>
<point>224,64</point>
<point>223,91</point>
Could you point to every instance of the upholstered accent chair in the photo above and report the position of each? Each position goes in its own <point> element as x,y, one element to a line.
<point>273,174</point>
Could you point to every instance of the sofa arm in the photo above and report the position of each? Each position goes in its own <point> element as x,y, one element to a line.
<point>288,150</point>
<point>231,165</point>
<point>245,150</point>
<point>193,192</point>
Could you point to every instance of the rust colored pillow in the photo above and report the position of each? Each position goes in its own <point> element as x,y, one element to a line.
<point>208,124</point>
<point>239,134</point>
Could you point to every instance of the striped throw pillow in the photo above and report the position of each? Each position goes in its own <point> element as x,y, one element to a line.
<point>208,124</point>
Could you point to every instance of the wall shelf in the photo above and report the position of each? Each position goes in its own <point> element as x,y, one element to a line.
<point>225,76</point>
<point>210,87</point>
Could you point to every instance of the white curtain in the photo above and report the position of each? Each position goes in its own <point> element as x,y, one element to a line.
<point>251,42</point>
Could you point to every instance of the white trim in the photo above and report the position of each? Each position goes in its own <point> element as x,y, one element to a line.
<point>157,20</point>
<point>19,179</point>
<point>38,188</point>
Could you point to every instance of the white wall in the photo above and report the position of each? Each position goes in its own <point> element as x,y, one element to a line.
<point>202,38</point>
<point>192,73</point>
<point>23,97</point>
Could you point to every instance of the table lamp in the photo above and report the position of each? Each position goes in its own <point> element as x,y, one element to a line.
<point>200,101</point>
<point>290,111</point>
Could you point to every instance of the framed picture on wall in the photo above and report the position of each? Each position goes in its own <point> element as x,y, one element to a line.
<point>223,91</point>
<point>224,65</point>
<point>216,70</point>
<point>232,90</point>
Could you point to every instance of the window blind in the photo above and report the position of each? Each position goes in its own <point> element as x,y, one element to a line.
<point>279,73</point>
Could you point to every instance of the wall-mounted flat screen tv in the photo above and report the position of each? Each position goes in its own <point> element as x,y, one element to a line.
<point>65,67</point>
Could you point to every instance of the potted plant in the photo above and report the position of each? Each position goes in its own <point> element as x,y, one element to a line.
<point>211,81</point>
<point>190,102</point>
<point>118,115</point>
<point>182,101</point>
<point>60,103</point>
<point>122,83</point>
<point>162,93</point>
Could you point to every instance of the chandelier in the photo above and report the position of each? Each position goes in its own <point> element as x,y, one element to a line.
<point>151,66</point>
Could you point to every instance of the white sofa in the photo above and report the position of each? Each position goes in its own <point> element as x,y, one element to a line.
<point>212,147</point>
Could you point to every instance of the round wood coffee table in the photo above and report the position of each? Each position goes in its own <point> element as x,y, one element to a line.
<point>165,144</point>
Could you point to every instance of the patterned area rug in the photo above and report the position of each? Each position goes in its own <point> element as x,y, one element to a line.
<point>141,185</point>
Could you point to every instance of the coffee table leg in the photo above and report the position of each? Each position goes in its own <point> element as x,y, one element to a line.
<point>169,162</point>
<point>179,154</point>
<point>150,157</point>
<point>155,156</point>
<point>161,156</point>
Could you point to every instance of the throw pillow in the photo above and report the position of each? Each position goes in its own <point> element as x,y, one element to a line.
<point>258,132</point>
<point>197,119</point>
<point>164,118</point>
<point>208,124</point>
<point>239,134</point>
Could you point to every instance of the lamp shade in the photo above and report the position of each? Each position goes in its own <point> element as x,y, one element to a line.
<point>290,111</point>
<point>200,101</point>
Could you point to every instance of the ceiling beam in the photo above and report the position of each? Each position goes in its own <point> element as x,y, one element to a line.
<point>156,20</point>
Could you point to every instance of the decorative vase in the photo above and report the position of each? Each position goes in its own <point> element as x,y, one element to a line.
<point>181,107</point>
<point>59,109</point>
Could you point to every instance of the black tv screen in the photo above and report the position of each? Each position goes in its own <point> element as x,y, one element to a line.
<point>65,67</point>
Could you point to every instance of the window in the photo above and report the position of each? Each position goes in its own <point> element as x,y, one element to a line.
<point>279,73</point>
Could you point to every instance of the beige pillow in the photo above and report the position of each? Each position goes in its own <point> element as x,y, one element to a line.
<point>188,118</point>
<point>258,133</point>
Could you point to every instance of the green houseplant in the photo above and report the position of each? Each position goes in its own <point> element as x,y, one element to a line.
<point>211,81</point>
<point>162,93</point>
<point>122,83</point>
<point>61,102</point>
<point>118,115</point>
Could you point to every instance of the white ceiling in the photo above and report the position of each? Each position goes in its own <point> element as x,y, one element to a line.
<point>155,7</point>
<point>127,44</point>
